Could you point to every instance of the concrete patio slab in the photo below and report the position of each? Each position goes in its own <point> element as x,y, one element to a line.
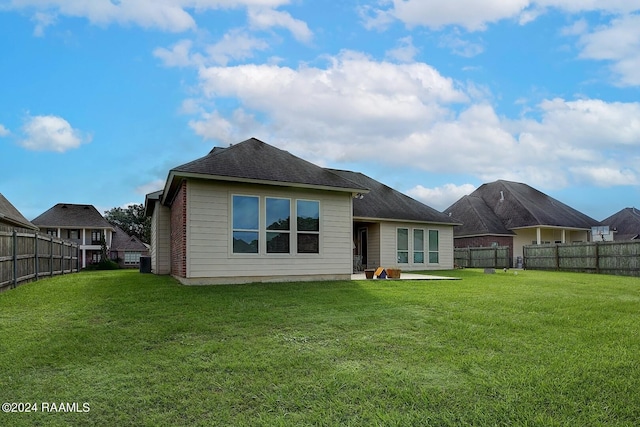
<point>406,276</point>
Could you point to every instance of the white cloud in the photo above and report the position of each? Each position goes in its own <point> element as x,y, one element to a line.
<point>470,14</point>
<point>618,43</point>
<point>147,188</point>
<point>475,16</point>
<point>410,116</point>
<point>440,197</point>
<point>235,45</point>
<point>51,133</point>
<point>405,52</point>
<point>166,15</point>
<point>460,46</point>
<point>4,131</point>
<point>266,18</point>
<point>179,55</point>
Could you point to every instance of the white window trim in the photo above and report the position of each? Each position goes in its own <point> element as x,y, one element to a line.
<point>319,232</point>
<point>262,228</point>
<point>414,250</point>
<point>232,229</point>
<point>428,245</point>
<point>409,244</point>
<point>289,231</point>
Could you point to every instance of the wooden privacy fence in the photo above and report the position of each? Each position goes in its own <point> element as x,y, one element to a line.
<point>490,257</point>
<point>29,255</point>
<point>618,258</point>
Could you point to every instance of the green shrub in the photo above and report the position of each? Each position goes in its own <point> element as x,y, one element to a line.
<point>105,264</point>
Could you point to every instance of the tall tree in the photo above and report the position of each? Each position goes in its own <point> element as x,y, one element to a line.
<point>131,220</point>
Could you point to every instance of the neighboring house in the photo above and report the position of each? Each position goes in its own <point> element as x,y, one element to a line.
<point>505,213</point>
<point>126,250</point>
<point>252,212</point>
<point>81,224</point>
<point>624,224</point>
<point>12,217</point>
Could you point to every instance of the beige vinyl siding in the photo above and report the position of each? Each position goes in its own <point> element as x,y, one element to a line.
<point>388,244</point>
<point>160,237</point>
<point>209,247</point>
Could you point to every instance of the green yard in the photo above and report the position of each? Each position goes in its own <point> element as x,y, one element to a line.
<point>536,348</point>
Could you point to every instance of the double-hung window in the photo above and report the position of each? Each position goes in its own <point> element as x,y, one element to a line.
<point>308,226</point>
<point>246,224</point>
<point>278,215</point>
<point>418,246</point>
<point>434,255</point>
<point>402,246</point>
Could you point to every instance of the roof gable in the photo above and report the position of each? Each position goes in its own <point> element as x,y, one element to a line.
<point>383,202</point>
<point>121,241</point>
<point>258,162</point>
<point>9,214</point>
<point>626,223</point>
<point>70,215</point>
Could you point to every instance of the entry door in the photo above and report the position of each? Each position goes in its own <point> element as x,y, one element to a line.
<point>363,245</point>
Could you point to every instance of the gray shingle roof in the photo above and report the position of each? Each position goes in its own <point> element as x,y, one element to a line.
<point>12,216</point>
<point>121,241</point>
<point>255,161</point>
<point>70,215</point>
<point>515,205</point>
<point>476,218</point>
<point>383,202</point>
<point>626,222</point>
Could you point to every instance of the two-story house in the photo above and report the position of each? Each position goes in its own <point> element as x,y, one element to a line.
<point>82,224</point>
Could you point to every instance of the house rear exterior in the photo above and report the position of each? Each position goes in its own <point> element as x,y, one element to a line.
<point>255,213</point>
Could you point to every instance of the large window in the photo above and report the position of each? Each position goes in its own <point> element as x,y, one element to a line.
<point>96,237</point>
<point>278,225</point>
<point>403,245</point>
<point>434,256</point>
<point>132,257</point>
<point>308,226</point>
<point>246,224</point>
<point>418,246</point>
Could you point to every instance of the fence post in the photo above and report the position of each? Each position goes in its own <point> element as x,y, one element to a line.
<point>597,258</point>
<point>495,257</point>
<point>51,255</point>
<point>15,259</point>
<point>36,263</point>
<point>557,256</point>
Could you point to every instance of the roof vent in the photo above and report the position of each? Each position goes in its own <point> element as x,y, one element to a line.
<point>64,206</point>
<point>501,195</point>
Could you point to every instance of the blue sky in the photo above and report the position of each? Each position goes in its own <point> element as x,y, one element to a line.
<point>99,99</point>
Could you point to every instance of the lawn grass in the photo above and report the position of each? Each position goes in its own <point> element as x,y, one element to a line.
<point>537,348</point>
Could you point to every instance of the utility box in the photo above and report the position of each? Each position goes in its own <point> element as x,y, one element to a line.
<point>145,264</point>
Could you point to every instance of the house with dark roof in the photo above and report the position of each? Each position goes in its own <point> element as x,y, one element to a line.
<point>125,249</point>
<point>506,213</point>
<point>624,224</point>
<point>253,213</point>
<point>10,216</point>
<point>81,224</point>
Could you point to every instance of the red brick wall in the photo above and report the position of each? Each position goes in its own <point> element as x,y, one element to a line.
<point>484,242</point>
<point>179,232</point>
